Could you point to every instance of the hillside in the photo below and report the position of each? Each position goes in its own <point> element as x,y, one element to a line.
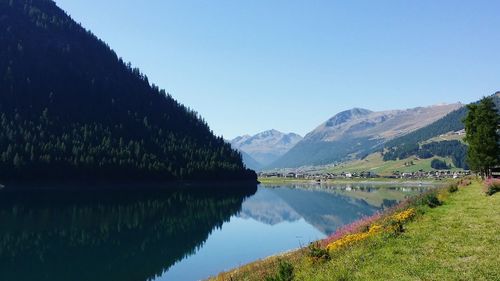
<point>358,132</point>
<point>72,109</point>
<point>266,147</point>
<point>441,138</point>
<point>375,163</point>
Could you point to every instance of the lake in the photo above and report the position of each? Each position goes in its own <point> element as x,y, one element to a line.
<point>176,234</point>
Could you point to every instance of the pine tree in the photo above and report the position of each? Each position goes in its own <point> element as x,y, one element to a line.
<point>481,126</point>
<point>72,109</point>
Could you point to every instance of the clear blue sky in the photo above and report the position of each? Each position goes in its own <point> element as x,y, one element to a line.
<point>248,66</point>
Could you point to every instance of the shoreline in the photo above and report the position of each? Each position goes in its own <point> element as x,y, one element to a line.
<point>375,181</point>
<point>427,224</point>
<point>134,185</point>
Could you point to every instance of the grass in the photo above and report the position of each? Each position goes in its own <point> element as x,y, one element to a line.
<point>456,241</point>
<point>447,137</point>
<point>375,163</point>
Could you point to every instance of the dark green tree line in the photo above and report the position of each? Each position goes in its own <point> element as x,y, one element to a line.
<point>454,149</point>
<point>71,108</point>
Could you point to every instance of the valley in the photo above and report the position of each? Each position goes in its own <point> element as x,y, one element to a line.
<point>249,140</point>
<point>434,145</point>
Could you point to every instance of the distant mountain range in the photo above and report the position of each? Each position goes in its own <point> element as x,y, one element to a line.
<point>357,132</point>
<point>397,134</point>
<point>264,148</point>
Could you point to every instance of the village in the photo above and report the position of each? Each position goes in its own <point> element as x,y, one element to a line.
<point>319,176</point>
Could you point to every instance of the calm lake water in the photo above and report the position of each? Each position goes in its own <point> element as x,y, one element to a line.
<point>183,234</point>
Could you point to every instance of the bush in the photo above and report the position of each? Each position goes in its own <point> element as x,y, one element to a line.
<point>432,200</point>
<point>397,220</point>
<point>453,188</point>
<point>285,272</point>
<point>465,182</point>
<point>492,186</point>
<point>429,198</point>
<point>316,253</point>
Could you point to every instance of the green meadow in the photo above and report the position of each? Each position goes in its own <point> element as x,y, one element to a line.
<point>458,240</point>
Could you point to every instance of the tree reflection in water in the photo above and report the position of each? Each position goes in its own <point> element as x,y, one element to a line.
<point>125,235</point>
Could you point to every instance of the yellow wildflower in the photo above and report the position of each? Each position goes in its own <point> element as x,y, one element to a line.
<point>375,228</point>
<point>347,240</point>
<point>441,197</point>
<point>404,215</point>
<point>353,238</point>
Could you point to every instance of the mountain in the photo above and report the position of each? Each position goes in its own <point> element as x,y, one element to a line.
<point>356,132</point>
<point>266,147</point>
<point>72,109</point>
<point>421,142</point>
<point>249,162</point>
<point>452,122</point>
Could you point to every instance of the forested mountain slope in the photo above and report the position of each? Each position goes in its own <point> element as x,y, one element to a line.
<point>414,143</point>
<point>71,108</point>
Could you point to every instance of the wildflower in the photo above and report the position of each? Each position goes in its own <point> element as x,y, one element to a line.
<point>353,238</point>
<point>353,233</point>
<point>354,227</point>
<point>348,240</point>
<point>375,229</point>
<point>404,216</point>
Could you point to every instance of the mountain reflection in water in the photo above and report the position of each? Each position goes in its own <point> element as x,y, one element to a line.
<point>175,234</point>
<point>324,207</point>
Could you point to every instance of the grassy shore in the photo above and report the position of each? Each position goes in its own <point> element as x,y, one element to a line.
<point>458,240</point>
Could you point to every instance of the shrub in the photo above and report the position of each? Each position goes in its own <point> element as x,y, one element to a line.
<point>465,182</point>
<point>432,200</point>
<point>453,188</point>
<point>491,186</point>
<point>397,220</point>
<point>404,216</point>
<point>429,198</point>
<point>316,253</point>
<point>285,272</point>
